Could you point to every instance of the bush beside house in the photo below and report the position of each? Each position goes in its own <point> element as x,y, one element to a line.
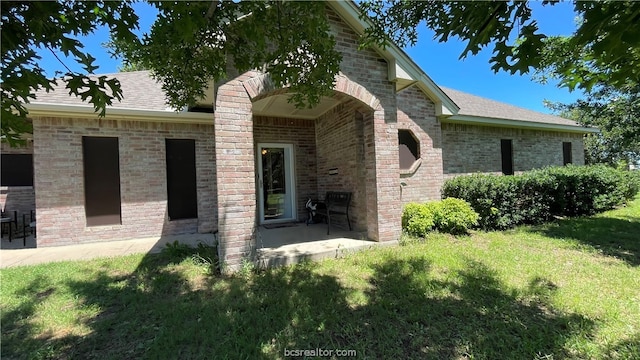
<point>539,195</point>
<point>454,216</point>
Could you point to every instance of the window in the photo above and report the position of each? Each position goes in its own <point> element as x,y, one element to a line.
<point>101,180</point>
<point>566,153</point>
<point>506,148</point>
<point>408,149</point>
<point>17,170</point>
<point>182,198</point>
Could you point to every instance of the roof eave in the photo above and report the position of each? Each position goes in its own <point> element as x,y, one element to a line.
<point>519,124</point>
<point>83,111</point>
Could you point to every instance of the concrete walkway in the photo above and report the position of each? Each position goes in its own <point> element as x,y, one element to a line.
<point>275,247</point>
<point>18,255</point>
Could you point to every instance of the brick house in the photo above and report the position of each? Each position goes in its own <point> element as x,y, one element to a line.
<point>245,157</point>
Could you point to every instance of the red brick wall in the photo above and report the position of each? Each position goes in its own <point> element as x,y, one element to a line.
<point>235,172</point>
<point>417,113</point>
<point>382,181</point>
<point>59,179</point>
<point>300,133</point>
<point>364,77</point>
<point>469,149</point>
<point>17,198</point>
<point>340,147</point>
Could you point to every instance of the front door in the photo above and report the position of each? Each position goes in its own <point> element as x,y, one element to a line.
<point>275,183</point>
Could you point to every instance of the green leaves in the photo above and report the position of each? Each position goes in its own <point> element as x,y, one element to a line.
<point>54,26</point>
<point>190,45</point>
<point>98,91</point>
<point>609,31</point>
<point>616,112</point>
<point>195,43</point>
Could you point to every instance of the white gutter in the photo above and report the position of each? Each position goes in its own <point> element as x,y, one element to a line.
<point>70,111</point>
<point>520,124</point>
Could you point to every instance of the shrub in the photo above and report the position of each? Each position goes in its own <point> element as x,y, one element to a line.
<point>454,216</point>
<point>417,219</point>
<point>631,185</point>
<point>451,215</point>
<point>536,196</point>
<point>488,195</point>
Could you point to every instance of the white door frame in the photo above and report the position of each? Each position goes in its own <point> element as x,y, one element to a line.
<point>290,185</point>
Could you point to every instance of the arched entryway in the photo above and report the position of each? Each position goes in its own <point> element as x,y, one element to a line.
<point>346,143</point>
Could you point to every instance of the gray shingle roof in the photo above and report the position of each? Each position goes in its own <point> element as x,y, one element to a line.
<point>140,91</point>
<point>472,105</point>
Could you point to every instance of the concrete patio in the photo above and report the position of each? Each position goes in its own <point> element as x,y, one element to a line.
<point>292,244</point>
<point>274,247</point>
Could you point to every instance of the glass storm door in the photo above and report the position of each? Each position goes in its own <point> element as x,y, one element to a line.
<point>275,183</point>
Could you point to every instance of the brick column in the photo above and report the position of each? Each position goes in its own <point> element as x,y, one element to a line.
<point>383,176</point>
<point>235,172</point>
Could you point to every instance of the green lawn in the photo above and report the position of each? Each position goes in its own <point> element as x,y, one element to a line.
<point>570,289</point>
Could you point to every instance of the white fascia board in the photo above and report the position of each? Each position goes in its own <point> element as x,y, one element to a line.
<point>75,111</point>
<point>520,124</point>
<point>400,64</point>
<point>396,72</point>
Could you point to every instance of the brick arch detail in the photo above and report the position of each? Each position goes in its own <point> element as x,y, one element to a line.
<point>261,86</point>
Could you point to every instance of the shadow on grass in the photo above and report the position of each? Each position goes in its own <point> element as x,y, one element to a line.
<point>615,237</point>
<point>159,312</point>
<point>625,349</point>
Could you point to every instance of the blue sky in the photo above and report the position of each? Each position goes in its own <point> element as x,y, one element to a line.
<point>474,75</point>
<point>439,60</point>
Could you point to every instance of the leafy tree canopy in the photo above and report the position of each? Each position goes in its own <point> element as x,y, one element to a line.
<point>610,29</point>
<point>615,110</point>
<point>189,45</point>
<point>192,43</point>
<point>28,26</point>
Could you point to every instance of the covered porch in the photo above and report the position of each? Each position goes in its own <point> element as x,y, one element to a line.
<point>274,157</point>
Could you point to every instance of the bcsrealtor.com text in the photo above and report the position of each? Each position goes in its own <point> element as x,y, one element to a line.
<point>320,352</point>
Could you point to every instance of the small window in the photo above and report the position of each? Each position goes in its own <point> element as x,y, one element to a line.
<point>566,153</point>
<point>506,147</point>
<point>101,161</point>
<point>182,193</point>
<point>17,170</point>
<point>408,149</point>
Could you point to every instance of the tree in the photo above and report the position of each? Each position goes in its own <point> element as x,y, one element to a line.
<point>27,26</point>
<point>190,44</point>
<point>613,108</point>
<point>611,29</point>
<point>616,112</point>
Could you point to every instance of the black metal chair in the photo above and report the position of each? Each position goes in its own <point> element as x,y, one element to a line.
<point>7,221</point>
<point>28,223</point>
<point>335,203</point>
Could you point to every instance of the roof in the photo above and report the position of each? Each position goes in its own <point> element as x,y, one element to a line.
<point>143,93</point>
<point>473,105</point>
<point>482,111</point>
<point>140,91</point>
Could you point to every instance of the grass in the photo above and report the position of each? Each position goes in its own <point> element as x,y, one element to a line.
<point>569,289</point>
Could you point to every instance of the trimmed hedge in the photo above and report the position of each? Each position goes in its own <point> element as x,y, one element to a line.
<point>538,195</point>
<point>454,216</point>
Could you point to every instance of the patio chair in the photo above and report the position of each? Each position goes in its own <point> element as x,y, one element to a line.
<point>335,203</point>
<point>28,224</point>
<point>7,221</point>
